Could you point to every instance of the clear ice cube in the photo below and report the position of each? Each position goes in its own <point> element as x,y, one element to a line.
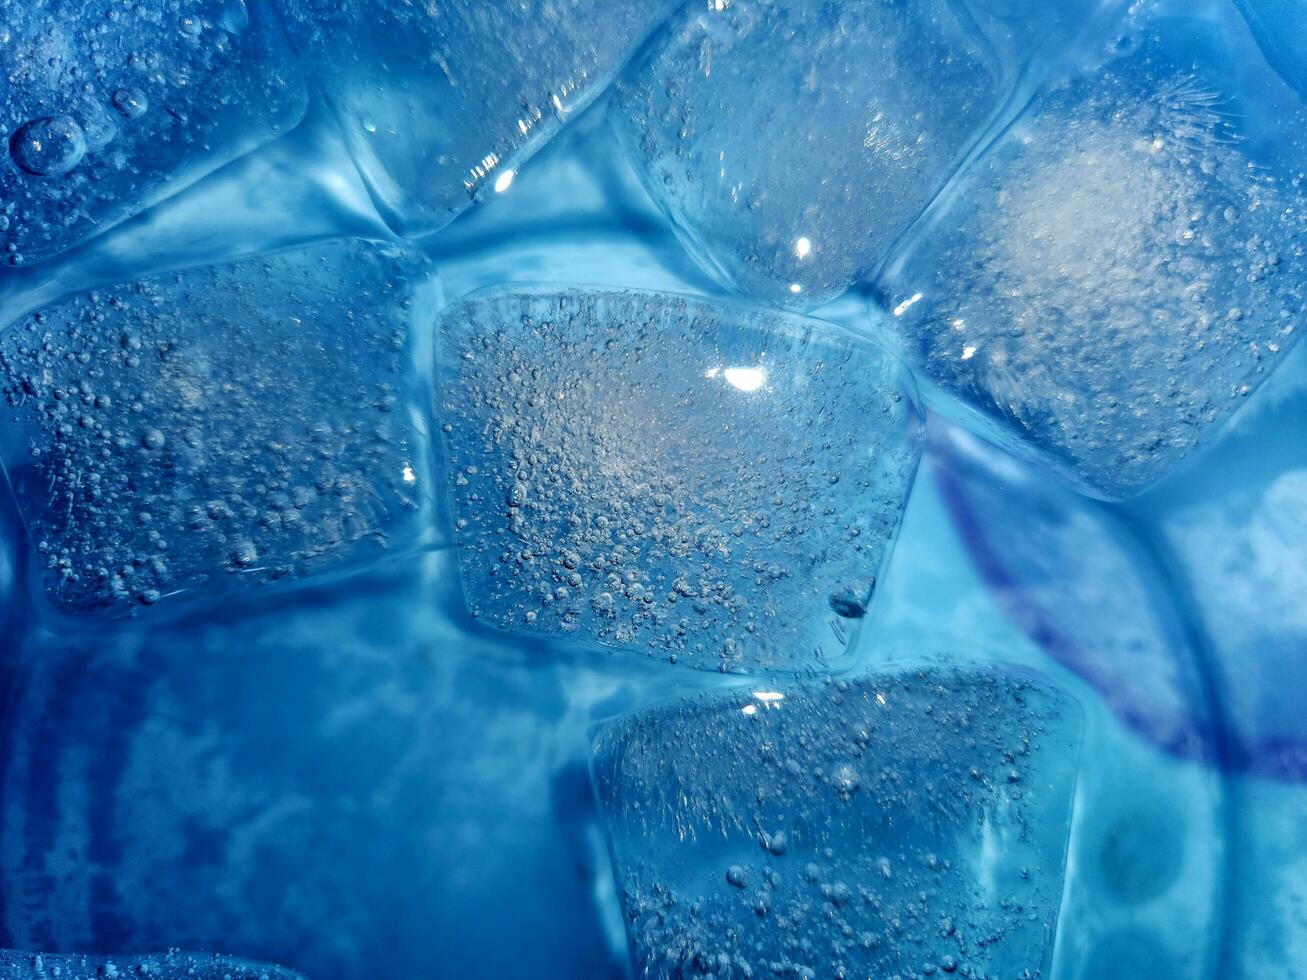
<point>895,826</point>
<point>441,102</point>
<point>215,429</point>
<point>792,144</point>
<point>710,483</point>
<point>1125,263</point>
<point>108,107</point>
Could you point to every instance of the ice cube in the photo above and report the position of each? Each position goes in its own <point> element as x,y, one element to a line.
<point>1125,263</point>
<point>791,144</point>
<point>218,428</point>
<point>1072,576</point>
<point>894,826</point>
<point>109,107</point>
<point>1237,526</point>
<point>442,102</point>
<point>173,965</point>
<point>342,784</point>
<point>695,480</point>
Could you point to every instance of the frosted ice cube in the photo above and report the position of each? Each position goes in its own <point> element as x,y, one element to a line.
<point>441,102</point>
<point>791,144</point>
<point>894,826</point>
<point>1126,263</point>
<point>221,427</point>
<point>647,471</point>
<point>173,965</point>
<point>110,106</point>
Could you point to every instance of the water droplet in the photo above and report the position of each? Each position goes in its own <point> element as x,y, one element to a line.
<point>131,102</point>
<point>49,146</point>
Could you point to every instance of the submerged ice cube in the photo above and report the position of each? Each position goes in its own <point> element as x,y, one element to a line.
<point>109,106</point>
<point>793,143</point>
<point>173,965</point>
<point>695,480</point>
<point>897,826</point>
<point>1126,263</point>
<point>309,785</point>
<point>216,428</point>
<point>439,102</point>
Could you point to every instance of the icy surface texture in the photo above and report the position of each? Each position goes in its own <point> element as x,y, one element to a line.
<point>699,481</point>
<point>106,106</point>
<point>1126,263</point>
<point>440,101</point>
<point>339,784</point>
<point>173,965</point>
<point>1069,573</point>
<point>1237,524</point>
<point>217,428</point>
<point>896,826</point>
<point>1280,27</point>
<point>791,144</point>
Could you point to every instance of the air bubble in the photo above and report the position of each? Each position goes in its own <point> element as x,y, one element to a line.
<point>48,147</point>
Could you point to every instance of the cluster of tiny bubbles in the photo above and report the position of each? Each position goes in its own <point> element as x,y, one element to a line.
<point>107,101</point>
<point>172,965</point>
<point>699,482</point>
<point>1146,218</point>
<point>835,829</point>
<point>239,422</point>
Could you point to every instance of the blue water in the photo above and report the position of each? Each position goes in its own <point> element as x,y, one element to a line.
<point>579,489</point>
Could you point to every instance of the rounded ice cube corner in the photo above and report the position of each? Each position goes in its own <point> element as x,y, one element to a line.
<point>207,432</point>
<point>440,102</point>
<point>703,481</point>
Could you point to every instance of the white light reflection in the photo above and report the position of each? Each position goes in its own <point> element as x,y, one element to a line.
<point>907,304</point>
<point>968,352</point>
<point>765,699</point>
<point>795,288</point>
<point>504,181</point>
<point>745,379</point>
<point>409,475</point>
<point>740,378</point>
<point>802,247</point>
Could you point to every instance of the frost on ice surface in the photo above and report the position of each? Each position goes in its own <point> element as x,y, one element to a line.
<point>897,826</point>
<point>219,427</point>
<point>173,965</point>
<point>106,106</point>
<point>700,481</point>
<point>793,143</point>
<point>1124,265</point>
<point>439,101</point>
